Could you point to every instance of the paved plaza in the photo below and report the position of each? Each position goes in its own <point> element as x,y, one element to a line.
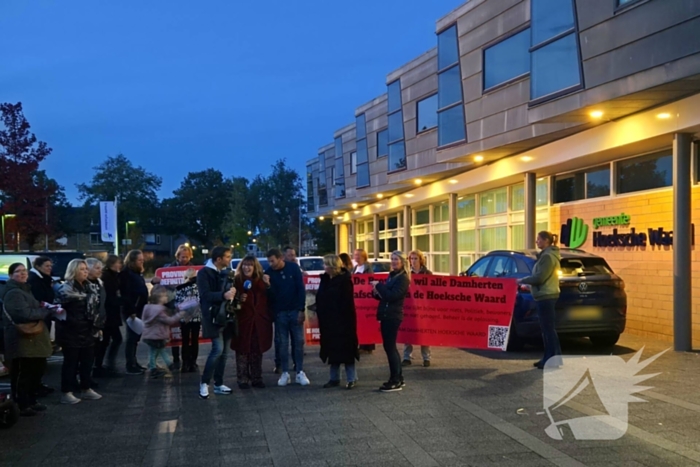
<point>470,408</point>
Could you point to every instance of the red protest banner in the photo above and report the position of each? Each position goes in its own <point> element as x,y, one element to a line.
<point>447,311</point>
<point>311,330</point>
<point>173,277</point>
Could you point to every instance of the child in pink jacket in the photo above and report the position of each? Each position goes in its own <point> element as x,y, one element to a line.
<point>157,322</point>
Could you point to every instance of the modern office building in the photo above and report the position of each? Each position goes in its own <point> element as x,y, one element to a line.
<point>528,115</point>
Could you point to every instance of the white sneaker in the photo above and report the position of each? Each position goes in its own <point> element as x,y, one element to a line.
<point>69,398</point>
<point>90,395</point>
<point>204,391</point>
<point>223,389</point>
<point>284,379</point>
<point>302,379</point>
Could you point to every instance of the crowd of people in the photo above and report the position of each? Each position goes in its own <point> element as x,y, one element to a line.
<point>237,310</point>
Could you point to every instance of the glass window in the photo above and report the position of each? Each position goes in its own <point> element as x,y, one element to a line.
<point>507,59</point>
<point>441,263</point>
<point>370,227</point>
<point>464,262</point>
<point>466,240</point>
<point>517,197</point>
<point>645,173</point>
<point>448,51</point>
<point>353,162</point>
<point>363,175</point>
<point>395,126</point>
<point>362,151</point>
<point>493,202</point>
<point>441,242</point>
<point>393,222</point>
<point>338,147</point>
<point>310,201</point>
<point>451,127</point>
<point>382,246</point>
<point>598,183</point>
<point>550,18</point>
<point>493,238</point>
<point>397,156</point>
<point>423,217</point>
<point>321,163</point>
<point>466,207</point>
<point>394,91</point>
<point>360,228</point>
<point>360,127</point>
<point>393,244</point>
<point>382,224</point>
<point>569,187</point>
<point>370,247</point>
<point>382,143</point>
<point>441,213</point>
<point>555,67</point>
<point>449,87</point>
<point>339,178</point>
<point>480,267</point>
<point>422,242</point>
<point>542,192</point>
<point>427,113</point>
<point>517,237</point>
<point>501,266</point>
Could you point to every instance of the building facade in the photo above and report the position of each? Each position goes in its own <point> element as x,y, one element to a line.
<point>528,115</point>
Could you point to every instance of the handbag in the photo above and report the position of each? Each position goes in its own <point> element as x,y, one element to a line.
<point>26,329</point>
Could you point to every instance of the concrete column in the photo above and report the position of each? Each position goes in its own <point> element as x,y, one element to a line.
<point>337,238</point>
<point>407,222</point>
<point>682,243</point>
<point>530,210</point>
<point>353,241</point>
<point>375,235</point>
<point>454,256</point>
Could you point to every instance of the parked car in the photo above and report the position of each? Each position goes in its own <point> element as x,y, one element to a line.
<point>60,260</point>
<point>592,304</point>
<point>236,261</point>
<point>312,265</point>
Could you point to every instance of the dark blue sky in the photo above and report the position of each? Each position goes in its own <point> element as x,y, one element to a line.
<point>180,86</point>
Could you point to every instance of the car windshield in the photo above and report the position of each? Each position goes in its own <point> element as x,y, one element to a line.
<point>7,260</point>
<point>311,264</point>
<point>574,267</point>
<point>381,267</point>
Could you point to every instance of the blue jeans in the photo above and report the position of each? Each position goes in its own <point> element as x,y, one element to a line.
<point>278,347</point>
<point>154,353</point>
<point>216,361</point>
<point>424,351</point>
<point>350,373</point>
<point>546,314</point>
<point>286,323</point>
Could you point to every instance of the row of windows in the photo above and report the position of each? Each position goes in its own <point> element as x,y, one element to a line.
<point>636,174</point>
<point>450,109</point>
<point>395,136</point>
<point>362,155</point>
<point>339,172</point>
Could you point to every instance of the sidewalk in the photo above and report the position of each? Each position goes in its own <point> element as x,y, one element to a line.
<point>470,408</point>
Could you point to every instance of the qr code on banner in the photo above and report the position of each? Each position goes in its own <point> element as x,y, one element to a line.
<point>498,337</point>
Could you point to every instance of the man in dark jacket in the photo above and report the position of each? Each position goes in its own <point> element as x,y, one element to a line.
<point>287,297</point>
<point>41,283</point>
<point>213,291</point>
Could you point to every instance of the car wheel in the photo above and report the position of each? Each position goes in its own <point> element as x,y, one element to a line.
<point>604,340</point>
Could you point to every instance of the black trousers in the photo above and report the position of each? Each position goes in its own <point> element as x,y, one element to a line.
<point>390,332</point>
<point>109,347</point>
<point>80,361</point>
<point>25,379</point>
<point>190,342</point>
<point>132,342</point>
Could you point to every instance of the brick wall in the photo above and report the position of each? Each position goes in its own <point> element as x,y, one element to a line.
<point>647,271</point>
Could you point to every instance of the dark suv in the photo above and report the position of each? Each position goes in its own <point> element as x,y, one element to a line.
<point>592,304</point>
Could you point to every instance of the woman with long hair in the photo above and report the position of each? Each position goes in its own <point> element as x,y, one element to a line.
<point>26,355</point>
<point>254,323</point>
<point>391,295</point>
<point>134,297</point>
<point>544,283</point>
<point>78,332</point>
<point>337,321</point>
<point>97,287</point>
<point>347,261</point>
<point>111,334</point>
<point>419,265</point>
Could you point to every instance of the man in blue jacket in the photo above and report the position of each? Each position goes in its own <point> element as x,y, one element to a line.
<point>287,297</point>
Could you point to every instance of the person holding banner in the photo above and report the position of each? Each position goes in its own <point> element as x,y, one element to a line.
<point>189,329</point>
<point>418,266</point>
<point>254,323</point>
<point>337,320</point>
<point>391,295</point>
<point>362,266</point>
<point>545,290</point>
<point>183,257</point>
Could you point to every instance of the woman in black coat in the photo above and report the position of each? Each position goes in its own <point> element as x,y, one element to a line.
<point>112,335</point>
<point>134,296</point>
<point>337,320</point>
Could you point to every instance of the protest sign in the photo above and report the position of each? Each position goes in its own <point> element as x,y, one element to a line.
<point>311,330</point>
<point>172,277</point>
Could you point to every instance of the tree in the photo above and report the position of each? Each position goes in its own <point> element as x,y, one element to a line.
<point>21,192</point>
<point>200,206</point>
<point>134,188</point>
<point>281,204</point>
<point>323,231</point>
<point>239,219</point>
<point>41,209</point>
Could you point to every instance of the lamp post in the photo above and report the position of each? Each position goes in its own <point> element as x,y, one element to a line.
<point>2,229</point>
<point>127,239</point>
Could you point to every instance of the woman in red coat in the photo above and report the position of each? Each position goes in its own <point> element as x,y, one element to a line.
<point>254,323</point>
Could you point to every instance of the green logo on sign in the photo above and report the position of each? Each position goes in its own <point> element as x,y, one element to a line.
<point>574,233</point>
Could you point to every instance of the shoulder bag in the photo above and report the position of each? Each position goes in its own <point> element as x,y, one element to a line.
<point>26,329</point>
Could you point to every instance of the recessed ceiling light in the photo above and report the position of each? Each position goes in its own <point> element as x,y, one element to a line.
<point>453,181</point>
<point>335,213</point>
<point>596,114</point>
<point>478,158</point>
<point>409,195</point>
<point>380,196</point>
<point>379,205</point>
<point>418,181</point>
<point>354,205</point>
<point>340,217</point>
<point>321,218</point>
<point>358,212</point>
<point>663,115</point>
<point>526,158</point>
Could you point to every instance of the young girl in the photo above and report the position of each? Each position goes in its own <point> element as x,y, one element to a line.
<point>157,322</point>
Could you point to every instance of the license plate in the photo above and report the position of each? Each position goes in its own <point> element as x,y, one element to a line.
<point>583,313</point>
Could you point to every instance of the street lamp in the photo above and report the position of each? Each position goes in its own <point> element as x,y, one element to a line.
<point>9,216</point>
<point>127,239</point>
